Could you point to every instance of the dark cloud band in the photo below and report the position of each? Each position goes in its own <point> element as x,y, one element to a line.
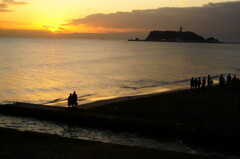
<point>215,19</point>
<point>4,5</point>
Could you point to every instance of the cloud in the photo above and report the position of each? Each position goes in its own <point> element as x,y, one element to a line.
<point>24,33</point>
<point>12,2</point>
<point>4,5</point>
<point>55,28</point>
<point>214,19</point>
<point>48,34</point>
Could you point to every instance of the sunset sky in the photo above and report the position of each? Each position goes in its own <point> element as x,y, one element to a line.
<point>108,16</point>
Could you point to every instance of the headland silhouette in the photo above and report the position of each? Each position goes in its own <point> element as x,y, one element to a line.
<point>176,36</point>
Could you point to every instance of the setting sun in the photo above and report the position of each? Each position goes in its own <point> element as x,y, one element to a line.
<point>53,28</point>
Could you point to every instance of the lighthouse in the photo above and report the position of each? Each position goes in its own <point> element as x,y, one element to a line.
<point>180,29</point>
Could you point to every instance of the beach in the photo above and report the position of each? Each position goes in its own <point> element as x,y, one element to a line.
<point>73,86</point>
<point>28,145</point>
<point>209,118</point>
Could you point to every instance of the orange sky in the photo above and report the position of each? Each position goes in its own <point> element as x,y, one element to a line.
<point>51,15</point>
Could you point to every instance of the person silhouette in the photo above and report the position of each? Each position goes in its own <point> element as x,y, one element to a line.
<point>234,80</point>
<point>70,100</point>
<point>199,83</point>
<point>221,80</point>
<point>192,83</point>
<point>195,83</point>
<point>211,82</point>
<point>74,97</point>
<point>229,79</point>
<point>209,79</point>
<point>203,83</point>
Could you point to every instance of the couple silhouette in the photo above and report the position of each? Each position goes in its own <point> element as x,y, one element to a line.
<point>72,100</point>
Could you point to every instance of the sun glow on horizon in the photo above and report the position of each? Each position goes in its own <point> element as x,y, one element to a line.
<point>53,28</point>
<point>58,16</point>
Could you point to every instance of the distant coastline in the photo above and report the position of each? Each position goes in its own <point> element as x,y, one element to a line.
<point>176,36</point>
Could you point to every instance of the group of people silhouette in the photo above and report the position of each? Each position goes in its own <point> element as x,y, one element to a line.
<point>197,83</point>
<point>230,80</point>
<point>72,100</point>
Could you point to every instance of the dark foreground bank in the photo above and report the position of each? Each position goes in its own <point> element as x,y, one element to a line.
<point>208,118</point>
<point>29,145</point>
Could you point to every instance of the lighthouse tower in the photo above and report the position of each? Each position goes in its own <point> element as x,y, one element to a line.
<point>180,29</point>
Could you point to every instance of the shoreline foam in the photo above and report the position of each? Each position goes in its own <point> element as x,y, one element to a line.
<point>115,97</point>
<point>22,145</point>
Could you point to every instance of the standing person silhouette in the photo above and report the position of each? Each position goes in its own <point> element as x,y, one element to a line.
<point>192,83</point>
<point>234,80</point>
<point>209,81</point>
<point>229,79</point>
<point>221,80</point>
<point>70,100</point>
<point>199,83</point>
<point>203,83</point>
<point>195,83</point>
<point>74,97</point>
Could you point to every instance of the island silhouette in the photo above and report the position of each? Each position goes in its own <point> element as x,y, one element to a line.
<point>176,36</point>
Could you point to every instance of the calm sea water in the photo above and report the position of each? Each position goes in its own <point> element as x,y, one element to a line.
<point>46,70</point>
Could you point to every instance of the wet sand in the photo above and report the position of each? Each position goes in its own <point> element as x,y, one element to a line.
<point>210,118</point>
<point>29,145</point>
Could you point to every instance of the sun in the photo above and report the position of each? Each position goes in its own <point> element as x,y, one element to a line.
<point>55,28</point>
<point>52,28</point>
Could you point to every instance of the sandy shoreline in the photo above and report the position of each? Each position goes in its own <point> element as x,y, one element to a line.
<point>28,145</point>
<point>92,100</point>
<point>201,117</point>
<point>178,108</point>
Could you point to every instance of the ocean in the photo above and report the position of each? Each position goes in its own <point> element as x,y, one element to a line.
<point>45,71</point>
